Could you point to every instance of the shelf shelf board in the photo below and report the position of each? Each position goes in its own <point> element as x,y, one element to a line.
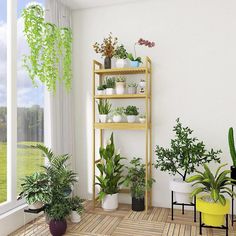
<point>121,96</point>
<point>122,71</point>
<point>124,126</point>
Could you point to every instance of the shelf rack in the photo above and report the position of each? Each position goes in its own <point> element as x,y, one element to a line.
<point>99,73</point>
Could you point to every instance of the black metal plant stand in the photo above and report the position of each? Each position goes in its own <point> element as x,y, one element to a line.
<point>183,205</point>
<point>226,226</point>
<point>232,219</point>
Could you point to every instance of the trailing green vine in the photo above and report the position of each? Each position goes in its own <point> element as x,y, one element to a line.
<point>50,46</point>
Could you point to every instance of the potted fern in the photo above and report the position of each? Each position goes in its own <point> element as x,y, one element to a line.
<point>210,191</point>
<point>185,154</point>
<point>232,152</point>
<point>110,178</point>
<point>104,108</point>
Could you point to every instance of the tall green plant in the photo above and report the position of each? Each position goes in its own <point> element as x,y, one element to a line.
<point>232,146</point>
<point>104,107</point>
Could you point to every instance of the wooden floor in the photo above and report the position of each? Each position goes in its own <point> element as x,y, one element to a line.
<point>124,222</point>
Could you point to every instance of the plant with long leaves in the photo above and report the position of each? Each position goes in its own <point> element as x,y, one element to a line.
<point>232,146</point>
<point>185,154</point>
<point>110,167</point>
<point>104,107</point>
<point>215,185</point>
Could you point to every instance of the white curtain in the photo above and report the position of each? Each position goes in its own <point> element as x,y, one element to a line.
<point>59,122</point>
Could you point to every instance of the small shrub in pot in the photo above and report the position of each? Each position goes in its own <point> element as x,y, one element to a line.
<point>120,85</point>
<point>118,114</point>
<point>101,89</point>
<point>110,85</point>
<point>77,208</point>
<point>120,55</point>
<point>131,112</point>
<point>132,88</point>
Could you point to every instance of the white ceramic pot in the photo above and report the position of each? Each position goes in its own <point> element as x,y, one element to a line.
<point>131,119</point>
<point>75,217</point>
<point>36,205</point>
<point>142,120</point>
<point>110,91</point>
<point>182,190</point>
<point>103,118</point>
<point>132,90</point>
<point>117,118</point>
<point>110,202</point>
<point>120,63</point>
<point>120,87</point>
<point>100,92</point>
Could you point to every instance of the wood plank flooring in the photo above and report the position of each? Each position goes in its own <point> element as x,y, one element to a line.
<point>125,222</point>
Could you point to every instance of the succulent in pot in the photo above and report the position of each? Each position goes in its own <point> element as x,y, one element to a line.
<point>120,55</point>
<point>110,178</point>
<point>110,85</point>
<point>101,89</point>
<point>118,114</point>
<point>232,152</point>
<point>120,85</point>
<point>185,154</point>
<point>142,119</point>
<point>104,108</point>
<point>135,179</point>
<point>77,208</point>
<point>36,190</point>
<point>132,88</point>
<point>131,113</point>
<point>210,191</point>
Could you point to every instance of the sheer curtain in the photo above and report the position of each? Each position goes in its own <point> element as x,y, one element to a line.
<point>59,122</point>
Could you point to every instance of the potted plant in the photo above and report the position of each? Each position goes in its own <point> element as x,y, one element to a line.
<point>107,48</point>
<point>142,119</point>
<point>121,55</point>
<point>135,61</point>
<point>110,85</point>
<point>36,190</point>
<point>212,187</point>
<point>101,89</point>
<point>120,85</point>
<point>135,179</point>
<point>185,154</point>
<point>131,112</point>
<point>77,208</point>
<point>132,88</point>
<point>110,178</point>
<point>104,108</point>
<point>232,152</point>
<point>117,114</point>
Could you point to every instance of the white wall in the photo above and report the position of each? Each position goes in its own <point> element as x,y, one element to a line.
<point>194,74</point>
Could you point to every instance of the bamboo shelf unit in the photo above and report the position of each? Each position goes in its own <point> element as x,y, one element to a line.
<point>98,76</point>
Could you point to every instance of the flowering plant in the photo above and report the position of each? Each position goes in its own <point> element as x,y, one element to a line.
<point>108,47</point>
<point>141,42</point>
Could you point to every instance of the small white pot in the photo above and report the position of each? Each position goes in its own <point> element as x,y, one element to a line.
<point>110,202</point>
<point>182,190</point>
<point>100,92</point>
<point>36,205</point>
<point>75,217</point>
<point>132,90</point>
<point>117,118</point>
<point>142,120</point>
<point>110,91</point>
<point>103,118</point>
<point>120,63</point>
<point>131,119</point>
<point>120,87</point>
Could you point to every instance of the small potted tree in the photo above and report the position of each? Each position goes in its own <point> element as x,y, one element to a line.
<point>120,85</point>
<point>77,208</point>
<point>110,85</point>
<point>210,191</point>
<point>104,108</point>
<point>135,179</point>
<point>132,88</point>
<point>117,114</point>
<point>120,55</point>
<point>36,190</point>
<point>110,178</point>
<point>131,112</point>
<point>183,157</point>
<point>232,152</point>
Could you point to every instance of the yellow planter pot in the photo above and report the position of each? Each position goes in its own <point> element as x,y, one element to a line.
<point>213,214</point>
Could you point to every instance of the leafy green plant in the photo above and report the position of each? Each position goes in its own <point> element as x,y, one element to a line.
<point>118,111</point>
<point>76,204</point>
<point>36,188</point>
<point>104,107</point>
<point>232,146</point>
<point>135,179</point>
<point>121,79</point>
<point>110,82</point>
<point>215,185</point>
<point>120,52</point>
<point>132,85</point>
<point>131,111</point>
<point>132,58</point>
<point>110,169</point>
<point>101,87</point>
<point>185,154</point>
